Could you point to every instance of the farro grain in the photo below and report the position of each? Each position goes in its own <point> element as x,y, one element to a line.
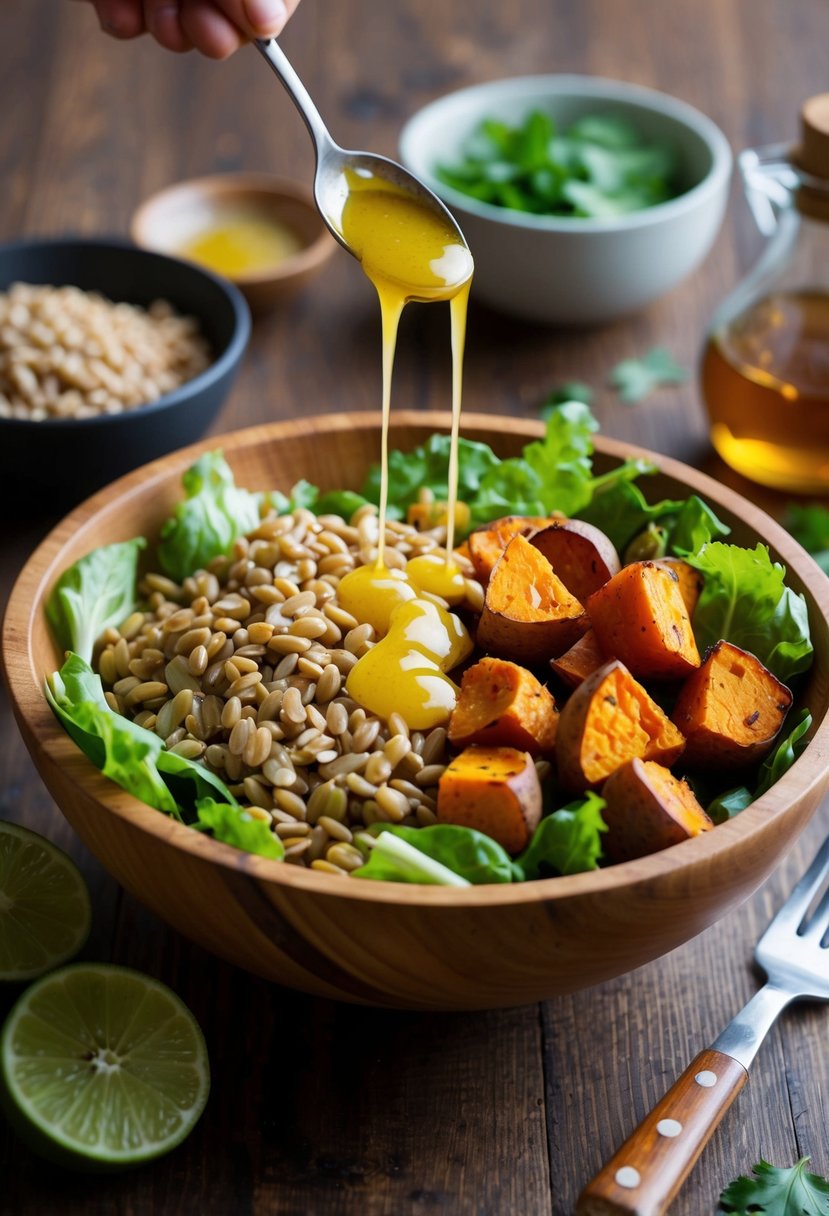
<point>430,774</point>
<point>334,827</point>
<point>392,801</point>
<point>398,725</point>
<point>327,867</point>
<point>290,801</point>
<point>345,856</point>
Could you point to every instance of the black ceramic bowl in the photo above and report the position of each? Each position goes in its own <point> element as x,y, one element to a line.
<point>56,463</point>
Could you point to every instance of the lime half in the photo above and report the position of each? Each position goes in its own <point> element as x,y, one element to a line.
<point>102,1068</point>
<point>44,905</point>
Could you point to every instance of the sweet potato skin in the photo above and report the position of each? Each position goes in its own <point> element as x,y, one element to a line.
<point>648,809</point>
<point>503,705</point>
<point>528,615</point>
<point>494,790</point>
<point>487,543</point>
<point>580,554</point>
<point>583,658</point>
<point>730,710</point>
<point>609,719</point>
<point>640,617</point>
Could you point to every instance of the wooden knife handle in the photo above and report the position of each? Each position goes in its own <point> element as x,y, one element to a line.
<point>650,1167</point>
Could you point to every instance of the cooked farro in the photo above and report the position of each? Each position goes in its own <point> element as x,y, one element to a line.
<point>243,666</point>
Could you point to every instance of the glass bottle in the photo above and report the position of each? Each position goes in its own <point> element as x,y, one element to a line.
<point>765,367</point>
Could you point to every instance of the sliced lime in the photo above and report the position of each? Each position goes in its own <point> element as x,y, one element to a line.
<point>44,905</point>
<point>101,1067</point>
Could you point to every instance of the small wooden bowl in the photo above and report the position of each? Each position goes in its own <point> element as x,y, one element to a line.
<point>384,943</point>
<point>169,219</point>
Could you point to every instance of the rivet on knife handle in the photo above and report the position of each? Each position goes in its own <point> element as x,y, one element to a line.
<point>648,1170</point>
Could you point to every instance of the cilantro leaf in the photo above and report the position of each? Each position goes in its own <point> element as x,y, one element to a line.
<point>600,166</point>
<point>777,1191</point>
<point>570,390</point>
<point>635,379</point>
<point>745,601</point>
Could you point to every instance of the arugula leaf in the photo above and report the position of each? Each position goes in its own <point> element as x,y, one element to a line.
<point>777,1191</point>
<point>471,854</point>
<point>778,761</point>
<point>131,755</point>
<point>809,525</point>
<point>566,842</point>
<point>635,379</point>
<point>428,466</point>
<point>233,825</point>
<point>213,514</point>
<point>96,591</point>
<point>393,859</point>
<point>744,600</point>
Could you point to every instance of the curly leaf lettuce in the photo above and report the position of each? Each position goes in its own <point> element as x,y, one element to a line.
<point>213,513</point>
<point>127,753</point>
<point>96,591</point>
<point>745,601</point>
<point>233,825</point>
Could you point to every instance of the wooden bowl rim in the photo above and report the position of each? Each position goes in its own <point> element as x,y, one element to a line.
<point>249,185</point>
<point>808,772</point>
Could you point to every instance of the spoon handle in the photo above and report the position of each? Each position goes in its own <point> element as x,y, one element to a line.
<point>648,1170</point>
<point>296,90</point>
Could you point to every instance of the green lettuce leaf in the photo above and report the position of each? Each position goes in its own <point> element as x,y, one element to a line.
<point>395,859</point>
<point>213,514</point>
<point>96,591</point>
<point>566,842</point>
<point>233,825</point>
<point>131,755</point>
<point>775,1191</point>
<point>621,511</point>
<point>809,525</point>
<point>694,525</point>
<point>745,601</point>
<point>471,854</point>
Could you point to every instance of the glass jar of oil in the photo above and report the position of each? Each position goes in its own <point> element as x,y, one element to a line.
<point>765,367</point>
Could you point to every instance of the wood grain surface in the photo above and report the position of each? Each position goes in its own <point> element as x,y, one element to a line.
<point>325,1109</point>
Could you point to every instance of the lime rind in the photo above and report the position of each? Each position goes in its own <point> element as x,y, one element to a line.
<point>99,1092</point>
<point>45,909</point>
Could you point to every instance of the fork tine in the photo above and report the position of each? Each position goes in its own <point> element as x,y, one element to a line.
<point>818,922</point>
<point>797,905</point>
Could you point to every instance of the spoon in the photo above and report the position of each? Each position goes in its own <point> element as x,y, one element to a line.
<point>334,164</point>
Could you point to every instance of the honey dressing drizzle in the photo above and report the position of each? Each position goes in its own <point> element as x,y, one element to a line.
<point>408,253</point>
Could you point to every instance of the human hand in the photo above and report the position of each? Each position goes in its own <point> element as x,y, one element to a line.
<point>215,27</point>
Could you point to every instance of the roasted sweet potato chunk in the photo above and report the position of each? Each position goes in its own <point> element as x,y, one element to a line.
<point>609,719</point>
<point>528,614</point>
<point>495,790</point>
<point>583,658</point>
<point>690,580</point>
<point>648,809</point>
<point>503,705</point>
<point>730,710</point>
<point>640,617</point>
<point>486,544</point>
<point>581,556</point>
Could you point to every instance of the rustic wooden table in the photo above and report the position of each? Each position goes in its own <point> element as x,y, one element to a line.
<point>329,1110</point>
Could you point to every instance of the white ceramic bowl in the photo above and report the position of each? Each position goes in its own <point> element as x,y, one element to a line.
<point>563,270</point>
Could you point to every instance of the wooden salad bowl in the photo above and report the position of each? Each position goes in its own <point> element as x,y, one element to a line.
<point>389,944</point>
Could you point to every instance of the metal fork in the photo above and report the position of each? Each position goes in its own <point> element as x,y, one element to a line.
<point>648,1170</point>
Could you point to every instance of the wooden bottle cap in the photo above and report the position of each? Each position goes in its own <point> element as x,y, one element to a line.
<point>812,156</point>
<point>813,153</point>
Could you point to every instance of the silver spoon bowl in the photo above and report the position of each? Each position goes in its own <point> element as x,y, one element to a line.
<point>333,163</point>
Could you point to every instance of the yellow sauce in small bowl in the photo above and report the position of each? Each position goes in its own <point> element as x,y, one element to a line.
<point>242,243</point>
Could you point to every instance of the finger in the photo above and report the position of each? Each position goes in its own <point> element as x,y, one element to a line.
<point>163,20</point>
<point>255,18</point>
<point>120,18</point>
<point>209,30</point>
